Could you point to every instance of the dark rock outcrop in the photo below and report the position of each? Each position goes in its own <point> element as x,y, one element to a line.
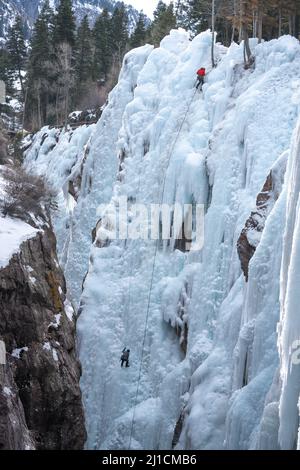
<point>251,233</point>
<point>247,243</point>
<point>40,398</point>
<point>178,429</point>
<point>182,327</point>
<point>14,433</point>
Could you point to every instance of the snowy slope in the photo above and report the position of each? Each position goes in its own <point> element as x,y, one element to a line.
<point>28,9</point>
<point>12,233</point>
<point>207,364</point>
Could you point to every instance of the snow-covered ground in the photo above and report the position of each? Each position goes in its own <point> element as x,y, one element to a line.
<point>157,140</point>
<point>12,233</point>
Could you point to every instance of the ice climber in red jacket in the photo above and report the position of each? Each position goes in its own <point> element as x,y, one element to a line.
<point>201,75</point>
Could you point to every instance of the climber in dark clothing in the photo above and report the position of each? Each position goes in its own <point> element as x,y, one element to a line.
<point>125,357</point>
<point>201,75</point>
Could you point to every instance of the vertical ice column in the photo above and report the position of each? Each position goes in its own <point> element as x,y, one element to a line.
<point>289,329</point>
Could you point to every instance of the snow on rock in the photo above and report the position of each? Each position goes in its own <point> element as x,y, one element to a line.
<point>47,346</point>
<point>69,310</point>
<point>56,323</point>
<point>16,352</point>
<point>7,391</point>
<point>205,371</point>
<point>55,355</point>
<point>12,233</point>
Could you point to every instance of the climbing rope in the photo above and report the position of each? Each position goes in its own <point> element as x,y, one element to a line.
<point>133,263</point>
<point>153,269</point>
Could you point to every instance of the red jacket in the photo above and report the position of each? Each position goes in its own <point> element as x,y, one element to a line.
<point>201,72</point>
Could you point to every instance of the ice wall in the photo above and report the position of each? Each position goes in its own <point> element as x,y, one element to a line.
<point>289,327</point>
<point>88,158</point>
<point>206,372</point>
<point>232,136</point>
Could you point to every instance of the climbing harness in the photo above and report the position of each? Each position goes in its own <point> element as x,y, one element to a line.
<point>153,269</point>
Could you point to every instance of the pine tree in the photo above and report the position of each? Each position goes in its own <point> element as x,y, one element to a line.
<point>64,42</point>
<point>6,73</point>
<point>41,76</point>
<point>119,32</point>
<point>41,42</point>
<point>182,13</point>
<point>200,15</point>
<point>196,16</point>
<point>164,21</point>
<point>17,50</point>
<point>65,25</point>
<point>83,57</point>
<point>159,11</point>
<point>139,35</point>
<point>64,82</point>
<point>102,46</point>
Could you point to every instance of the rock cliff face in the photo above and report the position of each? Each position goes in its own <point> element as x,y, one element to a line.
<point>255,224</point>
<point>40,399</point>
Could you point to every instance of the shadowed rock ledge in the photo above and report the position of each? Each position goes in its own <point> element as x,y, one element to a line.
<point>40,398</point>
